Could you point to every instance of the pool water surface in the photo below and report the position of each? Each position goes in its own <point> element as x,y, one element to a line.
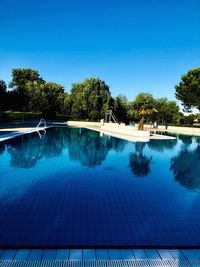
<point>76,188</point>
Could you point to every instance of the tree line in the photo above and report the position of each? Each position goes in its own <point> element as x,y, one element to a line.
<point>91,98</point>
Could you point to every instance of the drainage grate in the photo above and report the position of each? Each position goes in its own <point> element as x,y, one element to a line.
<point>159,263</point>
<point>193,263</point>
<point>117,263</point>
<point>100,263</point>
<point>52,263</point>
<point>95,263</point>
<point>20,263</point>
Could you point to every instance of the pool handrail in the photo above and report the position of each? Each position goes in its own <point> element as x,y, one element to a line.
<point>42,120</point>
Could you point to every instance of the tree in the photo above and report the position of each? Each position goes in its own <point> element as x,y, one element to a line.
<point>36,98</point>
<point>144,107</point>
<point>168,111</point>
<point>143,103</point>
<point>3,88</point>
<point>188,90</point>
<point>53,93</point>
<point>120,107</point>
<point>187,120</point>
<point>46,98</point>
<point>32,93</point>
<point>21,78</point>
<point>66,104</point>
<point>143,100</point>
<point>92,95</point>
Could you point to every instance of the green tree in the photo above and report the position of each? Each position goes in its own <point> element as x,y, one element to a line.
<point>90,99</point>
<point>3,88</point>
<point>144,100</point>
<point>37,101</point>
<point>188,90</point>
<point>143,103</point>
<point>168,111</point>
<point>143,107</point>
<point>187,120</point>
<point>66,104</point>
<point>46,98</point>
<point>20,79</point>
<point>53,93</point>
<point>120,107</point>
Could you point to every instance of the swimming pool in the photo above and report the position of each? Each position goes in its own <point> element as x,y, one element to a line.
<point>76,188</point>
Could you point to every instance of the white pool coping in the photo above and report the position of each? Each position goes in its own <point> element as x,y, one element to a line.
<point>17,133</point>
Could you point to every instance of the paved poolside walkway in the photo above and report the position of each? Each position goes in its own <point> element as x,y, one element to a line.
<point>99,257</point>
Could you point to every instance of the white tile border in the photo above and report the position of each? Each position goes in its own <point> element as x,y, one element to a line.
<point>16,133</point>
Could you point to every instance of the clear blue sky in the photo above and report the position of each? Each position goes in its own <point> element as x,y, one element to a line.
<point>143,45</point>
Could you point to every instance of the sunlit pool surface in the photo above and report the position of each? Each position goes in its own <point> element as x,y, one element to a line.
<point>76,188</point>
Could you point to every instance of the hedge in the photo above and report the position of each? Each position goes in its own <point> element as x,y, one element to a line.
<point>17,115</point>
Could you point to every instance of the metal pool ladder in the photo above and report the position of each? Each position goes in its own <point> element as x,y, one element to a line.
<point>42,121</point>
<point>41,132</point>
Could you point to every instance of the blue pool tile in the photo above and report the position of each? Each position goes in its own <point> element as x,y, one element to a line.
<point>8,254</point>
<point>197,252</point>
<point>114,254</point>
<point>75,254</point>
<point>89,254</point>
<point>36,254</point>
<point>49,254</point>
<point>165,254</point>
<point>62,254</point>
<point>22,254</point>
<point>152,254</point>
<point>1,252</point>
<point>127,254</point>
<point>189,254</point>
<point>102,254</point>
<point>121,209</point>
<point>177,254</point>
<point>139,254</point>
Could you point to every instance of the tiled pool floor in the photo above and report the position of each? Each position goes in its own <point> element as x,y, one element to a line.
<point>99,257</point>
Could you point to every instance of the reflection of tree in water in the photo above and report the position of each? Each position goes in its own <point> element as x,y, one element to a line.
<point>89,148</point>
<point>85,146</point>
<point>162,145</point>
<point>186,168</point>
<point>2,148</point>
<point>139,163</point>
<point>197,139</point>
<point>27,150</point>
<point>186,139</point>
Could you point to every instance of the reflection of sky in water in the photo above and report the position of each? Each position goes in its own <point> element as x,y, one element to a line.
<point>77,188</point>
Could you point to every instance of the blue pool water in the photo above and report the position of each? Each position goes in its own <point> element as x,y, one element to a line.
<point>76,188</point>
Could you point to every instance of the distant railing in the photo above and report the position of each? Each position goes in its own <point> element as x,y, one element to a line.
<point>109,116</point>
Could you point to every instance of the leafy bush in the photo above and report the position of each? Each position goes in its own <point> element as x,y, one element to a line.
<point>63,117</point>
<point>17,115</point>
<point>94,115</point>
<point>187,120</point>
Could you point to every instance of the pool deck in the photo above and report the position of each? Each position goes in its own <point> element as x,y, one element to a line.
<point>99,257</point>
<point>129,137</point>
